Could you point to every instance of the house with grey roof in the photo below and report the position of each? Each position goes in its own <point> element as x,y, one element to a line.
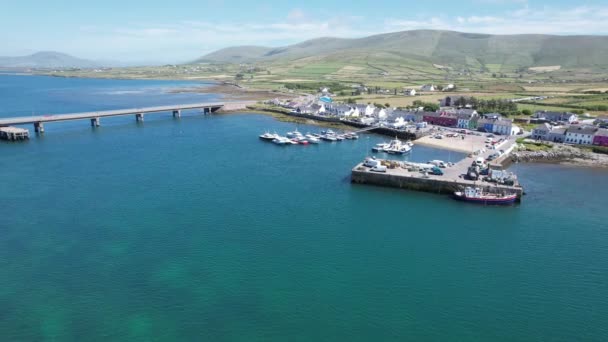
<point>541,132</point>
<point>556,116</point>
<point>557,134</point>
<point>581,135</point>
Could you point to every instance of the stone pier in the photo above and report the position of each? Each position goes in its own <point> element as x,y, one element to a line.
<point>94,122</point>
<point>177,113</point>
<point>139,117</point>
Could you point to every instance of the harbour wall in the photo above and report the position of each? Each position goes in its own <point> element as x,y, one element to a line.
<point>433,184</point>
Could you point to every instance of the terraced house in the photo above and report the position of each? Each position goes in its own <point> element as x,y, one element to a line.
<point>581,135</point>
<point>601,137</point>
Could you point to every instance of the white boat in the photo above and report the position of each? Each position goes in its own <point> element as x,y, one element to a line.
<point>397,147</point>
<point>329,137</point>
<point>293,134</point>
<point>313,140</point>
<point>380,147</point>
<point>281,141</point>
<point>340,137</point>
<point>268,136</point>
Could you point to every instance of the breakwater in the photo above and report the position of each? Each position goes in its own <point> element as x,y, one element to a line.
<point>443,185</point>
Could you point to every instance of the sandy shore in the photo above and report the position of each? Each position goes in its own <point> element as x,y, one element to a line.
<point>233,92</point>
<point>467,145</point>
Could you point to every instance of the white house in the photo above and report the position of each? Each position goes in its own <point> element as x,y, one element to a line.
<point>409,92</point>
<point>382,114</point>
<point>427,87</point>
<point>322,110</point>
<point>582,135</point>
<point>369,110</point>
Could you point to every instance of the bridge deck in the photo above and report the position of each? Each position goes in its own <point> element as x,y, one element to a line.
<point>89,115</point>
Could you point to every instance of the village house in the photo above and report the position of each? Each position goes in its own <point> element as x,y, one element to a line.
<point>409,92</point>
<point>556,116</point>
<point>582,135</point>
<point>601,137</point>
<point>485,125</point>
<point>503,127</point>
<point>541,132</point>
<point>557,134</point>
<point>467,120</point>
<point>427,87</point>
<point>441,119</point>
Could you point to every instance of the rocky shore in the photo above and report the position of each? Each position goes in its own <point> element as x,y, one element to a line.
<point>562,154</point>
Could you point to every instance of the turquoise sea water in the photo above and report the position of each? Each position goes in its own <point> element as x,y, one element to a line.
<point>194,229</point>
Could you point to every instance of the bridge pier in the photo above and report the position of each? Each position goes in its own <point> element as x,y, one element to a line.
<point>94,122</point>
<point>177,113</point>
<point>139,117</point>
<point>38,127</point>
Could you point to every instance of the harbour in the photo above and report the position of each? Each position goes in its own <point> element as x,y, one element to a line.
<point>213,253</point>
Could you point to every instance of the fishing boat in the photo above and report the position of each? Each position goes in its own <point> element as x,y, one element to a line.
<point>477,195</point>
<point>397,147</point>
<point>268,136</point>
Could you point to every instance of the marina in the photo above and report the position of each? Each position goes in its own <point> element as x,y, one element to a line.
<point>297,138</point>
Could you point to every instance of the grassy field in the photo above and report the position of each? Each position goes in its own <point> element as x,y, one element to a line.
<point>386,71</point>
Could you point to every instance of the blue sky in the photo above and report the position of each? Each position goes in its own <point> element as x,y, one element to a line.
<point>171,31</point>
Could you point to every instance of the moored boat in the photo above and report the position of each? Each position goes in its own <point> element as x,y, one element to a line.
<point>268,136</point>
<point>477,195</point>
<point>281,140</point>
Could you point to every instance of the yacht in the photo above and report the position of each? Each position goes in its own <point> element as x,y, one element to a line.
<point>293,134</point>
<point>380,147</point>
<point>268,136</point>
<point>329,137</point>
<point>313,140</point>
<point>279,140</point>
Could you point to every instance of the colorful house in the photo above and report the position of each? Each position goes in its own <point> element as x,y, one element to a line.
<point>441,119</point>
<point>601,137</point>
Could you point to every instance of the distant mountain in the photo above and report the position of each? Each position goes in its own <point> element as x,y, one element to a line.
<point>445,48</point>
<point>47,60</point>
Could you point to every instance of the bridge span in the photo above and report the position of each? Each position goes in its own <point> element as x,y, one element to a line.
<point>95,117</point>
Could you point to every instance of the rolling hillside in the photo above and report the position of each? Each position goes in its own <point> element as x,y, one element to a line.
<point>446,48</point>
<point>46,60</point>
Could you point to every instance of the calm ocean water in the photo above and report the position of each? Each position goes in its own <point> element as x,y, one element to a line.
<point>193,229</point>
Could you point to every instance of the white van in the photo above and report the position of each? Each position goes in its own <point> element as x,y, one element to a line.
<point>371,163</point>
<point>438,163</point>
<point>479,161</point>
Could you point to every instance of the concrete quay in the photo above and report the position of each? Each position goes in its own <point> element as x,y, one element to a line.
<point>452,180</point>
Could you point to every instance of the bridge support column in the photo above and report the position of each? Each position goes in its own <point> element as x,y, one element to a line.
<point>177,113</point>
<point>94,122</point>
<point>139,117</point>
<point>38,127</point>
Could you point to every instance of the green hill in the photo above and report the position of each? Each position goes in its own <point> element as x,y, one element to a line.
<point>446,48</point>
